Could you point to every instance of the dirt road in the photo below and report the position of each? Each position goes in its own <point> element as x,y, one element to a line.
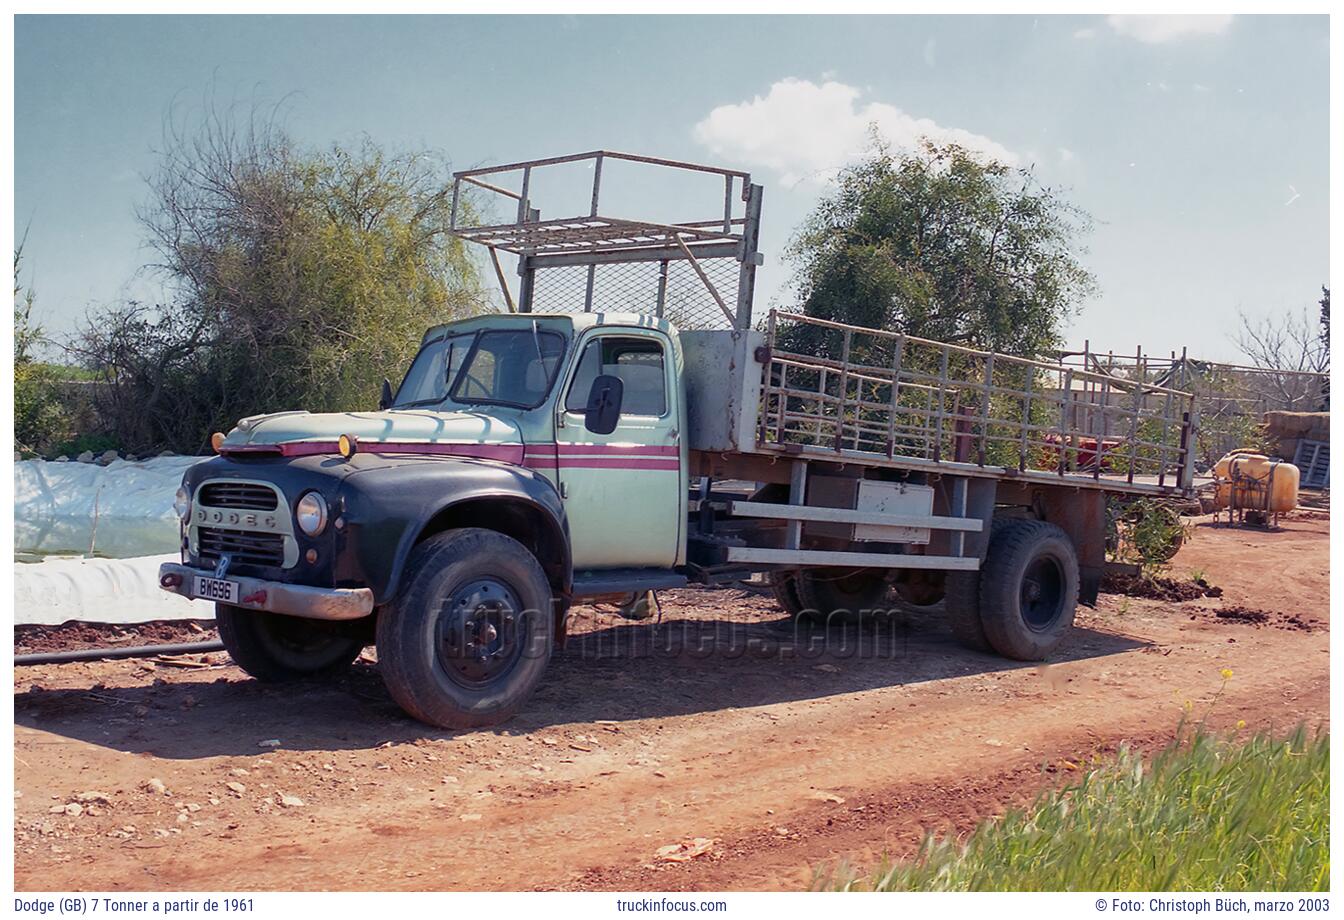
<point>644,737</point>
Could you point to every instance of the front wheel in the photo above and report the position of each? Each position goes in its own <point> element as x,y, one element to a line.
<point>1028,589</point>
<point>273,647</point>
<point>466,639</point>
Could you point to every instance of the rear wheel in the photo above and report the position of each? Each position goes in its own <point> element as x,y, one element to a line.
<point>920,587</point>
<point>273,647</point>
<point>830,596</point>
<point>784,586</point>
<point>467,638</point>
<point>1028,589</point>
<point>962,607</point>
<point>962,601</point>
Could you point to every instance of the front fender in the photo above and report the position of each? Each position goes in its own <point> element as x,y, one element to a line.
<point>389,507</point>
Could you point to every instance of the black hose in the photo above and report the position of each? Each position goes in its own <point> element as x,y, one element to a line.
<point>130,651</point>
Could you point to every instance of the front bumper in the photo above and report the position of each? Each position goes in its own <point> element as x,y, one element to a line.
<point>276,596</point>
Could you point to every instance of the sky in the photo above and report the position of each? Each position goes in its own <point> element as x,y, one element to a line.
<point>1198,144</point>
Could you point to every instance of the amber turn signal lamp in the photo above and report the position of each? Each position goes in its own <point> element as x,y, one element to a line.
<point>216,440</point>
<point>347,444</point>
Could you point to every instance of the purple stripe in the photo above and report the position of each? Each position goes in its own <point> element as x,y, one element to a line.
<point>545,456</point>
<point>508,453</point>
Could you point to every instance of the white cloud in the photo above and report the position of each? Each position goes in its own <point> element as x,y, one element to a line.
<point>1157,29</point>
<point>806,132</point>
<point>1085,33</point>
<point>1066,155</point>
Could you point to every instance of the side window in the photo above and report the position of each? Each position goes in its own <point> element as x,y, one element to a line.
<point>639,365</point>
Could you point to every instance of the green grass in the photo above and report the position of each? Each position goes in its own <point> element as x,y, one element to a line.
<point>1206,814</point>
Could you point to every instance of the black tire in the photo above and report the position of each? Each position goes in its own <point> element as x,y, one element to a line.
<point>921,587</point>
<point>469,634</point>
<point>784,586</point>
<point>274,648</point>
<point>961,605</point>
<point>1028,589</point>
<point>832,596</point>
<point>962,601</point>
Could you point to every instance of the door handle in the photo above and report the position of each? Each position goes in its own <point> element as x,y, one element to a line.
<point>672,435</point>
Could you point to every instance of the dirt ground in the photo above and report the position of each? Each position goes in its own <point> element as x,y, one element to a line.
<point>717,731</point>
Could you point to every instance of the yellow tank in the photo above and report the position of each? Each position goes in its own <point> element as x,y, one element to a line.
<point>1246,480</point>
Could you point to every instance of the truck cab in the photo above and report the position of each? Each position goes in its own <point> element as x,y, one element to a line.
<point>554,441</point>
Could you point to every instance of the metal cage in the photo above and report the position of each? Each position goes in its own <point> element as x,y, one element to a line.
<point>699,274</point>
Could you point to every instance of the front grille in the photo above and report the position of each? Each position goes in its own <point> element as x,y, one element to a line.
<point>238,495</point>
<point>246,547</point>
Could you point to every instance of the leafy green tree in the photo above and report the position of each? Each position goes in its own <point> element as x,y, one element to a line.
<point>940,244</point>
<point>39,417</point>
<point>297,278</point>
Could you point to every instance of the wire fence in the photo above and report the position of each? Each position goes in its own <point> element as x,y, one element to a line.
<point>670,289</point>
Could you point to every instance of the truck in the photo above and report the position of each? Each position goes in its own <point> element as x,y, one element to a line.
<point>627,422</point>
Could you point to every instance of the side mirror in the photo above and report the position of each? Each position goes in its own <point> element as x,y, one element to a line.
<point>386,399</point>
<point>604,404</point>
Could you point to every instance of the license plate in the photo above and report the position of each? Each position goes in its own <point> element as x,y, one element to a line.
<point>217,589</point>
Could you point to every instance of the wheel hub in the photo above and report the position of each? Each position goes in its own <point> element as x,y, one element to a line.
<point>478,638</point>
<point>1042,593</point>
<point>483,633</point>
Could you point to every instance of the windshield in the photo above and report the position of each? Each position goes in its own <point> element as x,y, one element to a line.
<point>511,367</point>
<point>426,382</point>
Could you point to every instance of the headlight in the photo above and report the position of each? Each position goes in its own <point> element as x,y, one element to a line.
<point>182,503</point>
<point>311,513</point>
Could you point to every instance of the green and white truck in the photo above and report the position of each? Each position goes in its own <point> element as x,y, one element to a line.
<point>629,424</point>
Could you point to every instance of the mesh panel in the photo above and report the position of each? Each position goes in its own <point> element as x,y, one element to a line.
<point>633,288</point>
<point>849,388</point>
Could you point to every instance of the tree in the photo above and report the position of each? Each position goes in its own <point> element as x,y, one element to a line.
<point>1290,349</point>
<point>27,333</point>
<point>39,416</point>
<point>940,244</point>
<point>296,278</point>
<point>1325,320</point>
<point>1325,342</point>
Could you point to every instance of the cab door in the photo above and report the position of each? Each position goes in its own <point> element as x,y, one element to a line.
<point>623,490</point>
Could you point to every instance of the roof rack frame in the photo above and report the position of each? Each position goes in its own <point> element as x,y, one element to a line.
<point>596,238</point>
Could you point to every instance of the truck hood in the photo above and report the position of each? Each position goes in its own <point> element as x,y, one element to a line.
<point>414,431</point>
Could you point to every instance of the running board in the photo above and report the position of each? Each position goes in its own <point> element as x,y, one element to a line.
<point>847,516</point>
<point>801,557</point>
<point>624,581</point>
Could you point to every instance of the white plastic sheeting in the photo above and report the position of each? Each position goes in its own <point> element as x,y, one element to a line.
<point>121,510</point>
<point>99,591</point>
